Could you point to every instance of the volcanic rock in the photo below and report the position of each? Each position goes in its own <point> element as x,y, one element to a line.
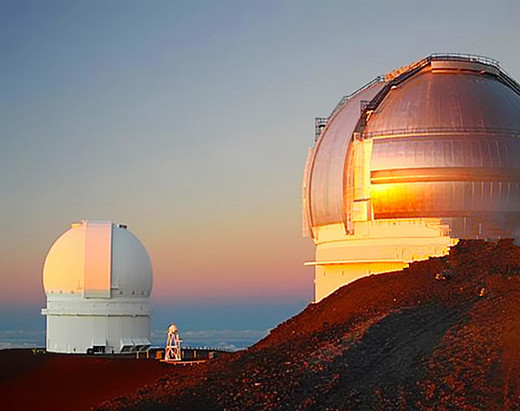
<point>443,333</point>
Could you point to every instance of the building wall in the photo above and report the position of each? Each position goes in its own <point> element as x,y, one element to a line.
<point>374,247</point>
<point>331,277</point>
<point>76,334</point>
<point>76,324</point>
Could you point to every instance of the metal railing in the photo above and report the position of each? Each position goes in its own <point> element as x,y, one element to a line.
<point>464,57</point>
<point>401,74</point>
<point>502,76</point>
<point>204,348</point>
<point>443,130</point>
<point>319,124</point>
<point>346,98</point>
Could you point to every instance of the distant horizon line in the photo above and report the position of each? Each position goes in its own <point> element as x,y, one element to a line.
<point>186,299</point>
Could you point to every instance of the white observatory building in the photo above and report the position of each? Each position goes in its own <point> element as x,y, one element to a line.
<point>98,278</point>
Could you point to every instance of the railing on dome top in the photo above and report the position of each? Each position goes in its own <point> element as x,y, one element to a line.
<point>422,62</point>
<point>321,122</point>
<point>442,130</point>
<point>403,73</point>
<point>502,74</point>
<point>406,71</point>
<point>346,98</point>
<point>464,57</point>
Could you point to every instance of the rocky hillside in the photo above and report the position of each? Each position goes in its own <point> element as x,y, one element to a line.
<point>442,333</point>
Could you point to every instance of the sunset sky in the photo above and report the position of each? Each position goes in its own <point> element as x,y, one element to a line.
<point>190,121</point>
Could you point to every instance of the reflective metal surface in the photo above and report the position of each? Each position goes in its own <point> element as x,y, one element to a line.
<point>460,150</point>
<point>445,143</point>
<point>326,170</point>
<point>446,101</point>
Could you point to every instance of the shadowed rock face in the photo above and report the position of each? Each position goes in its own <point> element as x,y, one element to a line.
<point>442,333</point>
<point>385,361</point>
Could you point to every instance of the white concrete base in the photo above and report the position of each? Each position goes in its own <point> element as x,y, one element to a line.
<point>85,326</point>
<point>375,247</point>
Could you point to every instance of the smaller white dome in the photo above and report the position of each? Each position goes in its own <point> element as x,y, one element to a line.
<point>98,259</point>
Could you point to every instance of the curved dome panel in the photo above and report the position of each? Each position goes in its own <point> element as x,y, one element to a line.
<point>63,270</point>
<point>98,259</point>
<point>327,180</point>
<point>444,142</point>
<point>456,101</point>
<point>447,144</point>
<point>131,266</point>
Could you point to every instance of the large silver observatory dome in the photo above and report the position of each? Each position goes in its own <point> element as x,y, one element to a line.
<point>409,164</point>
<point>445,142</point>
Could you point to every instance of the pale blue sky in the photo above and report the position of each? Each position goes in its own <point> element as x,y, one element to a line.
<point>190,121</point>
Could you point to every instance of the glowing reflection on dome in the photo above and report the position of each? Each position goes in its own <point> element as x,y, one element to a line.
<point>433,149</point>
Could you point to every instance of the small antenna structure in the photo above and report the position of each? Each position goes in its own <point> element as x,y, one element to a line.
<point>173,345</point>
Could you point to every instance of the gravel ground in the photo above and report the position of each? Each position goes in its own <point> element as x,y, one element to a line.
<point>444,333</point>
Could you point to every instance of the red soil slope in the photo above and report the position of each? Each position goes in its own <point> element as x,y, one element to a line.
<point>444,333</point>
<point>54,382</point>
